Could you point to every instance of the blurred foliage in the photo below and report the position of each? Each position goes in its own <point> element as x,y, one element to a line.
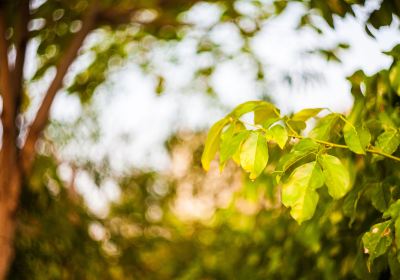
<point>185,224</point>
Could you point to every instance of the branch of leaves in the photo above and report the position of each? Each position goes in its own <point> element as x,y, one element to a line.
<point>249,149</point>
<point>379,239</point>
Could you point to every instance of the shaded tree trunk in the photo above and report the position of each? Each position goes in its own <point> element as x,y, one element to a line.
<point>8,207</point>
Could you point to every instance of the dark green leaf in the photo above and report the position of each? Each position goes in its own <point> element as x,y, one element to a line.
<point>377,240</point>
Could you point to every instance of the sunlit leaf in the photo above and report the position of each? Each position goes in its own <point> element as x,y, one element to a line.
<point>299,193</point>
<point>388,141</point>
<point>251,106</point>
<point>278,134</point>
<point>324,127</point>
<point>231,145</point>
<point>306,114</point>
<point>301,150</point>
<point>266,114</point>
<point>357,139</point>
<point>254,154</point>
<point>337,177</point>
<point>212,142</point>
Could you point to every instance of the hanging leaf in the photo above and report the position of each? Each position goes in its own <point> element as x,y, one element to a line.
<point>323,129</point>
<point>297,125</point>
<point>357,139</point>
<point>230,146</point>
<point>266,114</point>
<point>278,134</point>
<point>251,106</point>
<point>299,192</point>
<point>301,150</point>
<point>377,241</point>
<point>306,114</point>
<point>254,154</point>
<point>394,213</point>
<point>337,177</point>
<point>212,142</point>
<point>388,141</point>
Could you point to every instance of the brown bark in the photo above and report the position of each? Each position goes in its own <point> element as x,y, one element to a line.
<point>15,161</point>
<point>16,164</point>
<point>10,176</point>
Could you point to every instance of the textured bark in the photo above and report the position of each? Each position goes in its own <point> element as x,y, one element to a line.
<point>16,163</point>
<point>10,175</point>
<point>8,206</point>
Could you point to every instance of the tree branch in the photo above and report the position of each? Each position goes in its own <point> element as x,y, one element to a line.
<point>40,121</point>
<point>9,169</point>
<point>20,46</point>
<point>5,82</point>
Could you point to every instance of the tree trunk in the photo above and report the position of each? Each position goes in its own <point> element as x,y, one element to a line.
<point>8,206</point>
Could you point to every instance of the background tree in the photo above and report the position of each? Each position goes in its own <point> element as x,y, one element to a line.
<point>60,28</point>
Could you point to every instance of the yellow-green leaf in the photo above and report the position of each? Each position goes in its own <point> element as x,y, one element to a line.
<point>301,150</point>
<point>212,143</point>
<point>306,114</point>
<point>254,154</point>
<point>249,107</point>
<point>266,114</point>
<point>299,192</point>
<point>388,141</point>
<point>323,129</point>
<point>278,134</point>
<point>230,145</point>
<point>337,177</point>
<point>357,139</point>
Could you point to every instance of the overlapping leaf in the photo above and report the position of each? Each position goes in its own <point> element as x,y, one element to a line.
<point>299,192</point>
<point>254,154</point>
<point>337,177</point>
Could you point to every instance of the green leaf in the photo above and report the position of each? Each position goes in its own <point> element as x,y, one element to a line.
<point>278,134</point>
<point>323,129</point>
<point>337,177</point>
<point>388,141</point>
<point>357,139</point>
<point>230,145</point>
<point>266,114</point>
<point>297,125</point>
<point>377,241</point>
<point>379,195</point>
<point>299,191</point>
<point>394,213</point>
<point>306,114</point>
<point>212,142</point>
<point>250,106</point>
<point>254,154</point>
<point>301,150</point>
<point>350,203</point>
